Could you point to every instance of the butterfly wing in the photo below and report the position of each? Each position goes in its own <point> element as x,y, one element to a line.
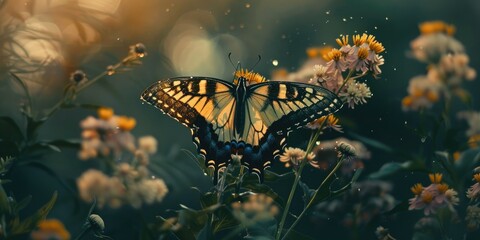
<point>206,106</point>
<point>273,109</point>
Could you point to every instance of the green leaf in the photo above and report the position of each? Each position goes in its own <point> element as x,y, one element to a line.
<point>9,148</point>
<point>22,204</point>
<point>464,165</point>
<point>32,127</point>
<point>372,142</point>
<point>195,220</point>
<point>198,160</point>
<point>223,220</point>
<point>29,223</point>
<point>10,131</point>
<point>270,176</point>
<point>389,169</point>
<point>265,189</point>
<point>163,226</point>
<point>66,143</point>
<point>208,199</point>
<point>41,147</point>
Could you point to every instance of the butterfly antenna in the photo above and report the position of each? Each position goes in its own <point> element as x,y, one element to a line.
<point>230,59</point>
<point>259,58</point>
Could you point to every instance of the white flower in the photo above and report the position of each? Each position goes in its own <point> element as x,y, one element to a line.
<point>148,144</point>
<point>473,120</point>
<point>91,184</point>
<point>355,93</point>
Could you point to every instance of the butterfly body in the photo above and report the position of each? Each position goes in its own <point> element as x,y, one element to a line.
<point>242,120</point>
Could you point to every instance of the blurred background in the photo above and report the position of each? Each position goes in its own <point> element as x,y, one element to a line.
<point>44,41</point>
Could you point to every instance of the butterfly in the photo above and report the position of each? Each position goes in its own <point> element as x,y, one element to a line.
<point>248,119</point>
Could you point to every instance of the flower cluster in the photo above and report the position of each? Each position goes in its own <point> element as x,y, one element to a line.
<point>327,154</point>
<point>433,197</point>
<point>361,57</point>
<point>330,64</point>
<point>129,185</point>
<point>50,229</point>
<point>108,135</point>
<point>448,66</point>
<point>257,208</point>
<point>364,202</point>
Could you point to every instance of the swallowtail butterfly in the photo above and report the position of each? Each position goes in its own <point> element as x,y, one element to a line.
<point>248,119</point>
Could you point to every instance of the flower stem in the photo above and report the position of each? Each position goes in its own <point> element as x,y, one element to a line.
<point>79,88</point>
<point>312,199</point>
<point>298,173</point>
<point>83,233</point>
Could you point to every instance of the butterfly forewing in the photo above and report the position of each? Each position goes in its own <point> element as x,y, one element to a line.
<point>188,98</point>
<point>283,106</point>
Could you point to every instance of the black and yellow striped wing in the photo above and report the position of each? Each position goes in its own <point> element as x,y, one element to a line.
<point>187,99</point>
<point>205,105</point>
<point>275,108</point>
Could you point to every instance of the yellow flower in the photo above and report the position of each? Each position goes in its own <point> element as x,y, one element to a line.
<point>50,229</point>
<point>295,156</point>
<point>407,101</point>
<point>334,54</point>
<point>377,47</point>
<point>105,113</point>
<point>432,27</point>
<point>417,189</point>
<point>442,188</point>
<point>330,122</point>
<point>251,77</point>
<point>126,123</point>
<point>427,197</point>
<point>474,141</point>
<point>362,53</point>
<point>342,41</point>
<point>435,177</point>
<point>476,177</point>
<point>364,38</point>
<point>315,52</point>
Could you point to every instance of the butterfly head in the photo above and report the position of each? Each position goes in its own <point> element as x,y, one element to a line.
<point>247,77</point>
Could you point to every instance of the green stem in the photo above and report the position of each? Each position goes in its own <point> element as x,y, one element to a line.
<point>83,233</point>
<point>312,199</point>
<point>298,173</point>
<point>289,201</point>
<point>79,88</point>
